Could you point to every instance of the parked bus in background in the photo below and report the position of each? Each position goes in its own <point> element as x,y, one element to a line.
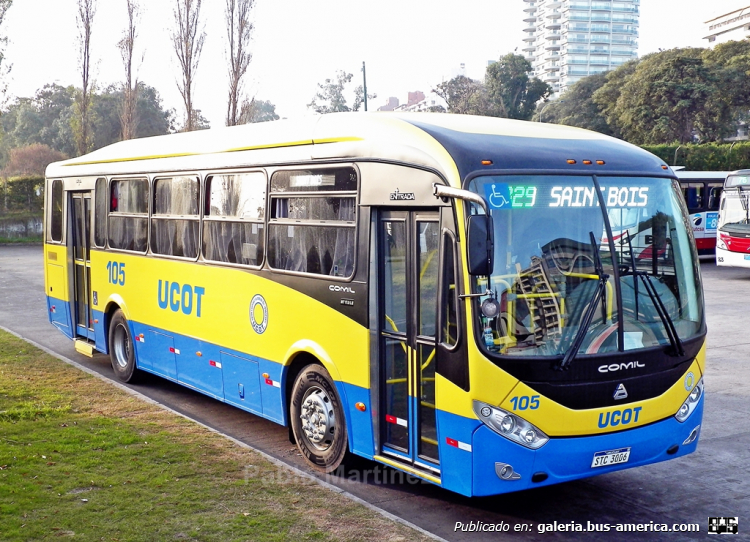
<point>487,304</point>
<point>702,191</point>
<point>733,235</point>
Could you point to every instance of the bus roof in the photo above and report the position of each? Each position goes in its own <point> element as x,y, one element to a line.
<point>702,175</point>
<point>454,145</point>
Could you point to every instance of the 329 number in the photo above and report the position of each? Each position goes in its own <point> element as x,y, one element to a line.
<point>116,273</point>
<point>525,402</point>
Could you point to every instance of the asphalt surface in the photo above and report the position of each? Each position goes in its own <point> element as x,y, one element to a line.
<point>714,481</point>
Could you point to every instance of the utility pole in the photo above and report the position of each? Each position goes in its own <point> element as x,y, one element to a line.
<point>364,82</point>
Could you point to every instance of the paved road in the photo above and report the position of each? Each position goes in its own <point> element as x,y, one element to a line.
<point>713,481</point>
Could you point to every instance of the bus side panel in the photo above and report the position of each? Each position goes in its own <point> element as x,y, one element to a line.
<point>274,404</point>
<point>242,383</point>
<point>155,352</point>
<point>455,438</point>
<point>56,288</point>
<point>197,367</point>
<point>100,330</point>
<point>361,438</point>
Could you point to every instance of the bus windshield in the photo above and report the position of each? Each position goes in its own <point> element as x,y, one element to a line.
<point>735,211</point>
<point>554,275</point>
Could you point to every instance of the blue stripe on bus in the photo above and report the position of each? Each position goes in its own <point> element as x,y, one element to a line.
<point>226,375</point>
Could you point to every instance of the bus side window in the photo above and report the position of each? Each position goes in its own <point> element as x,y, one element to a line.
<point>451,360</point>
<point>56,214</point>
<point>100,213</point>
<point>312,224</point>
<point>128,214</point>
<point>693,193</point>
<point>233,218</point>
<point>175,221</point>
<point>714,196</point>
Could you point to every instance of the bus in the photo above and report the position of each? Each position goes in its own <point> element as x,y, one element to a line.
<point>486,304</point>
<point>702,192</point>
<point>733,235</point>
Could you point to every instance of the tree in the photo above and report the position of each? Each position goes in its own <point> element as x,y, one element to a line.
<point>188,43</point>
<point>511,93</point>
<point>359,97</point>
<point>463,95</point>
<point>197,121</point>
<point>82,128</point>
<point>31,160</point>
<point>128,109</point>
<point>257,111</point>
<point>330,96</point>
<point>670,96</point>
<point>577,107</point>
<point>607,95</point>
<point>46,118</point>
<point>49,116</point>
<point>239,31</point>
<point>4,69</point>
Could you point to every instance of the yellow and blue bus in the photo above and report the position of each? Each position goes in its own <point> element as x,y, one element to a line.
<point>486,304</point>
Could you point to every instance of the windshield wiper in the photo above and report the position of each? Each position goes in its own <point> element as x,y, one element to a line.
<point>600,294</point>
<point>674,338</point>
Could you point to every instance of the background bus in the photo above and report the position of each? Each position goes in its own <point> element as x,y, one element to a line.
<point>702,191</point>
<point>489,305</point>
<point>733,235</point>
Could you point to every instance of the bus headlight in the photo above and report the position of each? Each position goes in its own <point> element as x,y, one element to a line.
<point>510,426</point>
<point>720,244</point>
<point>690,403</point>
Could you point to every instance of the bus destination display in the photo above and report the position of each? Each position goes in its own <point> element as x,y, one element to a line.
<point>507,196</point>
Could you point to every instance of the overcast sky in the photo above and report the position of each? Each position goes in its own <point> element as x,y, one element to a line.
<point>408,44</point>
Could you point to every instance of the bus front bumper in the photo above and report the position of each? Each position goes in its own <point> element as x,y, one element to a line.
<point>566,459</point>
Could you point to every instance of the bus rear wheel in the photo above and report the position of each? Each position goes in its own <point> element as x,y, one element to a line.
<point>121,351</point>
<point>317,419</point>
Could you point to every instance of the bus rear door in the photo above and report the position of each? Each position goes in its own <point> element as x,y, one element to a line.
<point>80,223</point>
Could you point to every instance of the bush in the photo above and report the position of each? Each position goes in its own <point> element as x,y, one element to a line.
<point>22,194</point>
<point>705,157</point>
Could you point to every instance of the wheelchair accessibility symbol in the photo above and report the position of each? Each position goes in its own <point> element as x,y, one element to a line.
<point>498,195</point>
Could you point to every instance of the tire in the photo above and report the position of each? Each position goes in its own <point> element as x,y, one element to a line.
<point>121,350</point>
<point>317,419</point>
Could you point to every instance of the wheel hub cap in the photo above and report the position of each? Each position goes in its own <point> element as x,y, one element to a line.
<point>318,419</point>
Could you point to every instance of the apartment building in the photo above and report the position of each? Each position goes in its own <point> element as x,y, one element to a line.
<point>734,25</point>
<point>567,40</point>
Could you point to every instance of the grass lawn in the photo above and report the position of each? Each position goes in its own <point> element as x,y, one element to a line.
<point>82,459</point>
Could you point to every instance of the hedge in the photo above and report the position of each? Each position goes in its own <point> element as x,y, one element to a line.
<point>22,194</point>
<point>705,157</point>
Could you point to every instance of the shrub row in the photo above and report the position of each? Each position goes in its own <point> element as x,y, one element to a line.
<point>705,157</point>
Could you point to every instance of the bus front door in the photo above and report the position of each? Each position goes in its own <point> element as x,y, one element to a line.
<point>408,246</point>
<point>80,219</point>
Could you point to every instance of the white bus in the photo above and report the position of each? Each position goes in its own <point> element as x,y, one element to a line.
<point>733,234</point>
<point>702,192</point>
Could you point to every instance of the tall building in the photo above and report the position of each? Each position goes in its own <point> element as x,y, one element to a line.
<point>567,40</point>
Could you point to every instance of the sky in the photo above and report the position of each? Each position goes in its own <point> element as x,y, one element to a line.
<point>407,45</point>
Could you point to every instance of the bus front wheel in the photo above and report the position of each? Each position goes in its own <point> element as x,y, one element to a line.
<point>317,419</point>
<point>121,352</point>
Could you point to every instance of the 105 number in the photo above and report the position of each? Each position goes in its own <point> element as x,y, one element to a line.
<point>116,273</point>
<point>525,402</point>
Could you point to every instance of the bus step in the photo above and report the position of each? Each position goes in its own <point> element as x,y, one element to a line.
<point>84,347</point>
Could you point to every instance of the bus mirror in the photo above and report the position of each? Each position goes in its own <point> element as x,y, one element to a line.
<point>480,245</point>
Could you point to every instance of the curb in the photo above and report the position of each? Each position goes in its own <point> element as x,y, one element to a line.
<point>270,458</point>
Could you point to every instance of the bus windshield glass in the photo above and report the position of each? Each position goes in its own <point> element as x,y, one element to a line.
<point>735,211</point>
<point>554,275</point>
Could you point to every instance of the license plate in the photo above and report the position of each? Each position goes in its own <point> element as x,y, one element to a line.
<point>747,256</point>
<point>610,457</point>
